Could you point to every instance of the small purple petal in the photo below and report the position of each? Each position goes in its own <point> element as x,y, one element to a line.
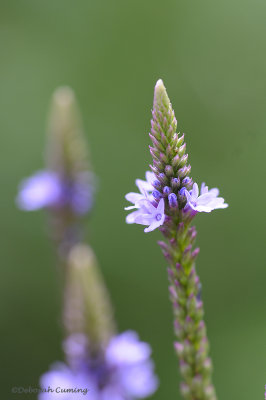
<point>126,349</point>
<point>43,189</point>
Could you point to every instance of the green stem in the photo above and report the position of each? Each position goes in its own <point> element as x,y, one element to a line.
<point>192,346</point>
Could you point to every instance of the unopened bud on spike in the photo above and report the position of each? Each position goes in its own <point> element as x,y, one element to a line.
<point>156,194</point>
<point>166,190</point>
<point>172,200</point>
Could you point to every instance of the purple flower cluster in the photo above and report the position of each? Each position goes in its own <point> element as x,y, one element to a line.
<point>47,189</point>
<point>124,372</point>
<point>150,203</point>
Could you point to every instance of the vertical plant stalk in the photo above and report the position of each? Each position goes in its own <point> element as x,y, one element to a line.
<point>192,346</point>
<point>171,170</point>
<point>169,200</point>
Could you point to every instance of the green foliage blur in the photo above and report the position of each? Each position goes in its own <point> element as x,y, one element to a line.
<point>211,56</point>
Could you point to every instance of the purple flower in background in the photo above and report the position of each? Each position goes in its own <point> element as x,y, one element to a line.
<point>124,372</point>
<point>66,384</point>
<point>81,193</point>
<point>47,189</point>
<point>41,190</point>
<point>206,202</point>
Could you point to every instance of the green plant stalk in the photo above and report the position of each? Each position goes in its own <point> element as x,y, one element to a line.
<point>192,345</point>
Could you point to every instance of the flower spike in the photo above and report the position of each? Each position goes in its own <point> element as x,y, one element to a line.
<point>169,200</point>
<point>100,363</point>
<point>66,186</point>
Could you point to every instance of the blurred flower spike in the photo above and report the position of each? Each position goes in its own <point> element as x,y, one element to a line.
<point>123,372</point>
<point>67,182</point>
<point>66,187</point>
<point>104,365</point>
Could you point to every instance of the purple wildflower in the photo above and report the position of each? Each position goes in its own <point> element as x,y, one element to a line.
<point>124,372</point>
<point>147,214</point>
<point>207,201</point>
<point>145,188</point>
<point>148,211</point>
<point>47,189</point>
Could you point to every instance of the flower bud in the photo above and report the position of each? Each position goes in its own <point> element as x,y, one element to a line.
<point>169,170</point>
<point>166,190</point>
<point>175,183</point>
<point>172,200</point>
<point>156,194</point>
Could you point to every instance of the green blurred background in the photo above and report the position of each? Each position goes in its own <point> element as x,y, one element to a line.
<point>211,56</point>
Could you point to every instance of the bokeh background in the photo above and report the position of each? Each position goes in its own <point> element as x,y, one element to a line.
<point>211,56</point>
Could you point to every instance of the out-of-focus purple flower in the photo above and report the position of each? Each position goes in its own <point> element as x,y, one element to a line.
<point>124,372</point>
<point>47,189</point>
<point>148,211</point>
<point>82,193</point>
<point>41,190</point>
<point>75,348</point>
<point>126,349</point>
<point>207,201</point>
<point>67,384</point>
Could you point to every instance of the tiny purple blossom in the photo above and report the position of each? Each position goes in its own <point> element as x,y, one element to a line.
<point>148,214</point>
<point>148,211</point>
<point>125,372</point>
<point>207,201</point>
<point>145,188</point>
